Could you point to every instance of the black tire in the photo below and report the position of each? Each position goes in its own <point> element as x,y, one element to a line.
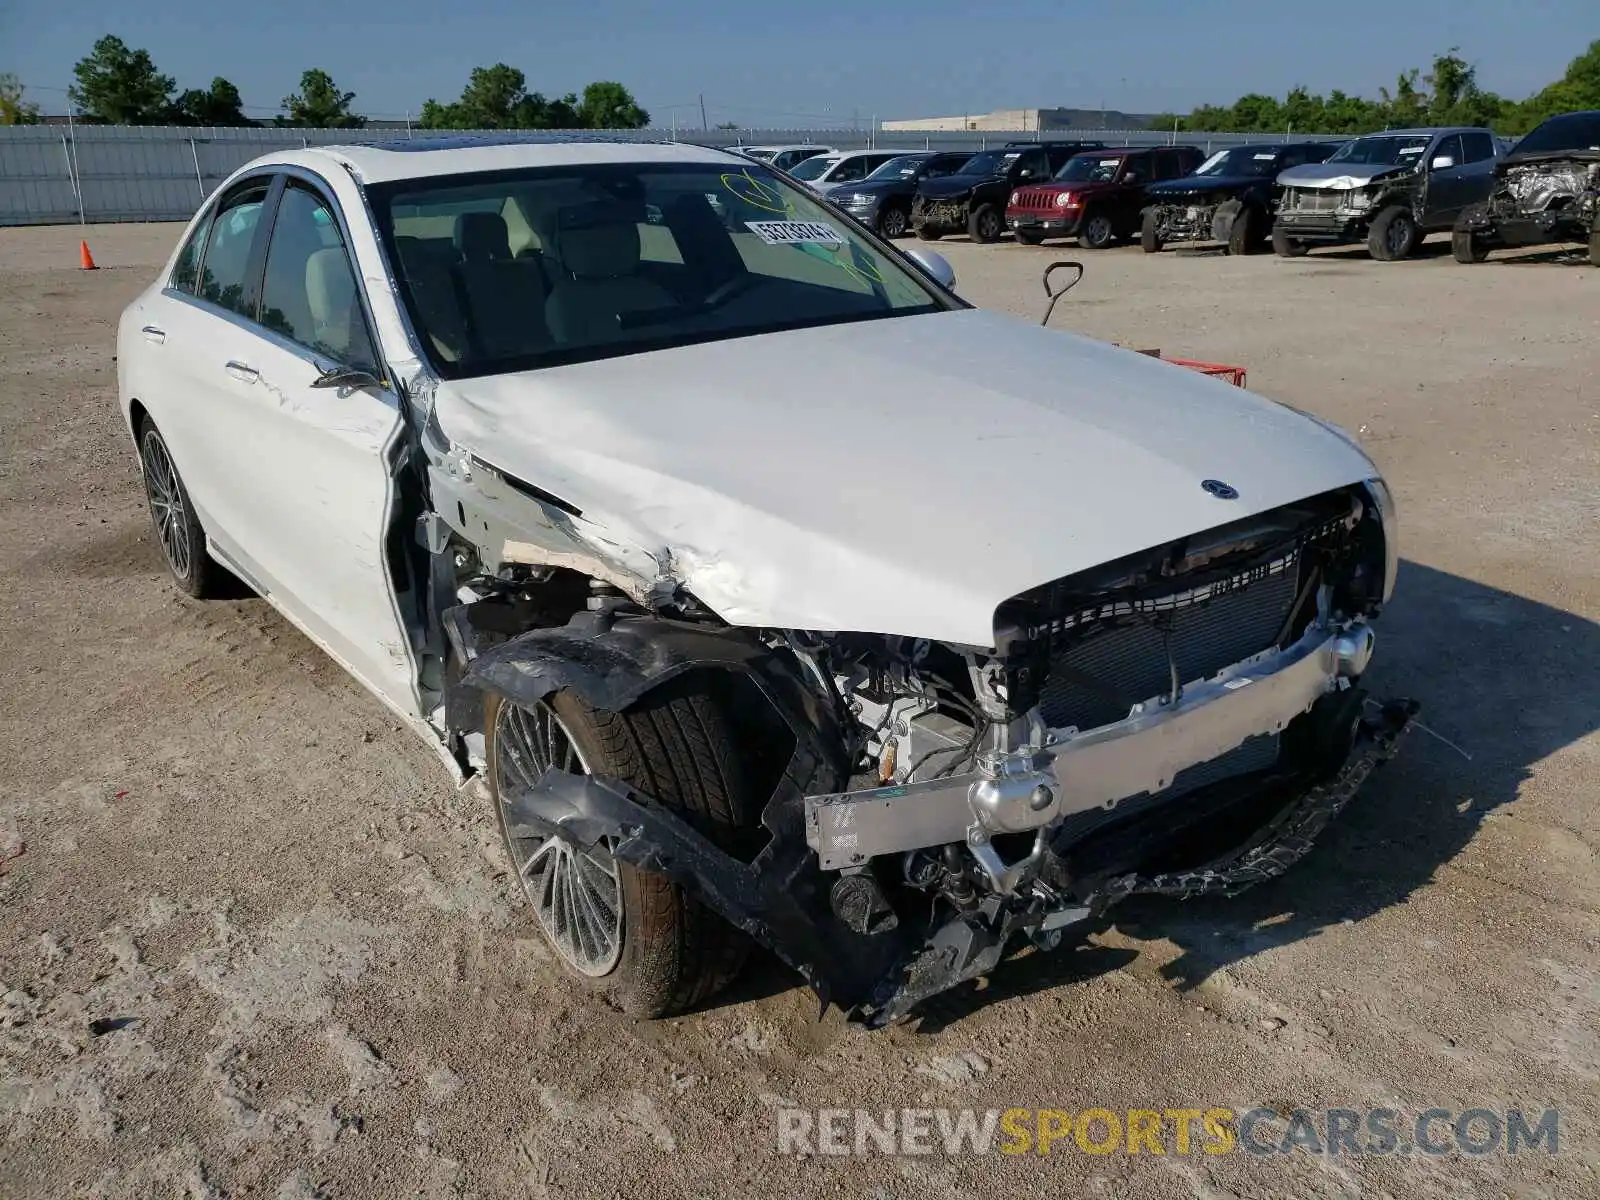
<point>927,234</point>
<point>894,221</point>
<point>1594,248</point>
<point>1393,235</point>
<point>177,529</point>
<point>1245,236</point>
<point>985,224</point>
<point>1285,246</point>
<point>1467,246</point>
<point>676,744</point>
<point>1029,237</point>
<point>1096,231</point>
<point>1150,234</point>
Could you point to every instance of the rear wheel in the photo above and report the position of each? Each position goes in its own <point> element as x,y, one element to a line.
<point>1097,231</point>
<point>893,221</point>
<point>1029,237</point>
<point>178,532</point>
<point>1245,235</point>
<point>1467,246</point>
<point>638,938</point>
<point>1393,235</point>
<point>1287,247</point>
<point>985,224</point>
<point>1150,234</point>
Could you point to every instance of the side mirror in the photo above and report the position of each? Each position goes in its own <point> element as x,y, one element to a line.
<point>1442,162</point>
<point>934,264</point>
<point>347,377</point>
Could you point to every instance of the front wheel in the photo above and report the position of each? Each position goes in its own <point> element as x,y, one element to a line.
<point>1096,232</point>
<point>893,222</point>
<point>635,936</point>
<point>1285,246</point>
<point>985,224</point>
<point>1244,237</point>
<point>178,531</point>
<point>1467,246</point>
<point>1393,235</point>
<point>1150,234</point>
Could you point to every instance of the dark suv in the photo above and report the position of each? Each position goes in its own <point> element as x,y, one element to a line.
<point>1546,190</point>
<point>1230,199</point>
<point>1097,196</point>
<point>883,199</point>
<point>973,200</point>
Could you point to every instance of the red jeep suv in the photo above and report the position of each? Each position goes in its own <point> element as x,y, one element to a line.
<point>1097,196</point>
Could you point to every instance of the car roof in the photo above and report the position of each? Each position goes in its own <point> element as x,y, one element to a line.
<point>421,158</point>
<point>779,148</point>
<point>1421,130</point>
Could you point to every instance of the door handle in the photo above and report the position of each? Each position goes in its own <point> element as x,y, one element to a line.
<point>241,371</point>
<point>152,334</point>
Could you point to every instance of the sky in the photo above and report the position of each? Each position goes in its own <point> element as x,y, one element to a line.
<point>823,63</point>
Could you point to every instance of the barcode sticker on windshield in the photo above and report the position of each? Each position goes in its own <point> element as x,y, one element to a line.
<point>789,233</point>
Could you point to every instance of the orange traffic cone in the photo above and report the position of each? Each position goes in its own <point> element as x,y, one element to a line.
<point>85,259</point>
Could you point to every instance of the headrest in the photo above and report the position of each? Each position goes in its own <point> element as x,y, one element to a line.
<point>482,236</point>
<point>596,241</point>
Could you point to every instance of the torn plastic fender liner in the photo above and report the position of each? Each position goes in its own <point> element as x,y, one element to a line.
<point>780,897</point>
<point>584,809</point>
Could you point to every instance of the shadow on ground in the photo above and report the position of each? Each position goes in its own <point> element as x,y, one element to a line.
<point>1506,680</point>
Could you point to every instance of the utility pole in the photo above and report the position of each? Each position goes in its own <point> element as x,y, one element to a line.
<point>703,123</point>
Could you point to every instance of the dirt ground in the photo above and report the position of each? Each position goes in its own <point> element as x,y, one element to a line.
<point>254,943</point>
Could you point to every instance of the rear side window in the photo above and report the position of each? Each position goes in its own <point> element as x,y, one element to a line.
<point>186,271</point>
<point>1477,147</point>
<point>224,269</point>
<point>308,292</point>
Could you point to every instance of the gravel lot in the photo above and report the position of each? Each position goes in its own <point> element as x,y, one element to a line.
<point>253,943</point>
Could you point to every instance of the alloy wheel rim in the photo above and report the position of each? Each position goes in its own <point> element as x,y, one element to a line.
<point>1099,229</point>
<point>576,896</point>
<point>894,222</point>
<point>166,505</point>
<point>989,225</point>
<point>1399,233</point>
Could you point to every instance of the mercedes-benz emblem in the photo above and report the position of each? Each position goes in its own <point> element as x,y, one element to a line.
<point>1220,490</point>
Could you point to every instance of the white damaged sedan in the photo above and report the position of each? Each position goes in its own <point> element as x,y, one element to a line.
<point>999,627</point>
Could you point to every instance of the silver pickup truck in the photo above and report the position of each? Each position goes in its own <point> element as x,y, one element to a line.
<point>1390,189</point>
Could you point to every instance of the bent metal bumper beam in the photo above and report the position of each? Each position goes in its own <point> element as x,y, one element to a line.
<point>1096,768</point>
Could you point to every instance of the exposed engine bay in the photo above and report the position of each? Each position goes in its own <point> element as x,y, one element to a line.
<point>1180,721</point>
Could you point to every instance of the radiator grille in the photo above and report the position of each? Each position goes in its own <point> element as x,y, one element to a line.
<point>1313,200</point>
<point>1128,654</point>
<point>1036,197</point>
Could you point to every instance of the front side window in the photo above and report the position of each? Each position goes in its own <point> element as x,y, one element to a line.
<point>1450,148</point>
<point>636,257</point>
<point>225,267</point>
<point>848,171</point>
<point>308,292</point>
<point>186,270</point>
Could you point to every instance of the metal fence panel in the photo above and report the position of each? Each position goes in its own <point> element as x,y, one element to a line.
<point>54,174</point>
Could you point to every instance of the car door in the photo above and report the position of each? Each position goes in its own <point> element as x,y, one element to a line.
<point>1127,199</point>
<point>316,464</point>
<point>194,324</point>
<point>1447,184</point>
<point>1478,159</point>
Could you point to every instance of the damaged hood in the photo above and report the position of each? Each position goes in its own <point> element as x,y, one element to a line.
<point>1340,175</point>
<point>941,463</point>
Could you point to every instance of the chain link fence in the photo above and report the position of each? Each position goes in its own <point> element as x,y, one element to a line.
<point>63,174</point>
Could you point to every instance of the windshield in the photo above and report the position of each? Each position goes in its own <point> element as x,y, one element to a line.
<point>542,266</point>
<point>1572,131</point>
<point>1253,161</point>
<point>990,162</point>
<point>1090,168</point>
<point>1383,151</point>
<point>904,167</point>
<point>814,166</point>
<point>763,155</point>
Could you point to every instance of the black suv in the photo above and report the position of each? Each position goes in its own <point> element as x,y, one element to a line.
<point>1546,190</point>
<point>973,201</point>
<point>1230,199</point>
<point>883,199</point>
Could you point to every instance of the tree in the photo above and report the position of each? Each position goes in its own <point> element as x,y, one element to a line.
<point>118,86</point>
<point>319,104</point>
<point>497,97</point>
<point>1579,88</point>
<point>609,105</point>
<point>13,109</point>
<point>219,105</point>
